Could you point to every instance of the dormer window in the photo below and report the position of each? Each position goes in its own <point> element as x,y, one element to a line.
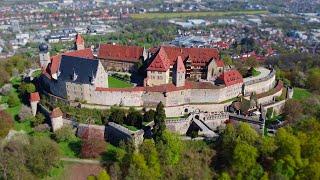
<point>74,76</point>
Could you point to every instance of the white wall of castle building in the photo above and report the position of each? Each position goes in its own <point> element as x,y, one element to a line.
<point>101,79</point>
<point>158,78</point>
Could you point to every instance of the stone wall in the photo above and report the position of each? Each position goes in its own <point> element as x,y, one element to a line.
<point>261,85</point>
<point>179,126</point>
<point>277,107</point>
<point>116,133</point>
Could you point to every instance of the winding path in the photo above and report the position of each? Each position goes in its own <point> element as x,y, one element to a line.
<point>84,161</point>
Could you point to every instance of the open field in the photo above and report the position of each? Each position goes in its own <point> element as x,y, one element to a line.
<point>117,83</point>
<point>300,93</point>
<point>170,15</point>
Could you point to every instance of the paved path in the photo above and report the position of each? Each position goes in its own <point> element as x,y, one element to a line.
<point>84,161</point>
<point>264,73</point>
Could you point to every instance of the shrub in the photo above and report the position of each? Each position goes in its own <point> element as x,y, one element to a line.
<point>149,115</point>
<point>66,133</point>
<point>6,123</point>
<point>13,100</point>
<point>92,147</point>
<point>25,113</point>
<point>39,119</point>
<point>27,87</point>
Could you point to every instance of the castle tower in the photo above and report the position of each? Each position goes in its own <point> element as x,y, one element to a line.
<point>56,119</point>
<point>34,100</point>
<point>79,42</point>
<point>179,73</point>
<point>44,55</point>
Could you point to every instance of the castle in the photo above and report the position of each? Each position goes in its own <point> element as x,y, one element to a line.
<point>184,79</point>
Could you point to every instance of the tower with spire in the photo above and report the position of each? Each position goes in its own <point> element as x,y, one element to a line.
<point>179,73</point>
<point>79,42</point>
<point>44,55</point>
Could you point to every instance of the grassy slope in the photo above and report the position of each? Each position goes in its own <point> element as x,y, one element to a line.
<point>117,83</point>
<point>300,93</point>
<point>194,14</point>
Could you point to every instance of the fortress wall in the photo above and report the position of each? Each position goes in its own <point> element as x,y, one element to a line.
<point>262,86</point>
<point>178,126</point>
<point>109,98</point>
<point>205,95</point>
<point>175,111</point>
<point>176,98</point>
<point>269,99</point>
<point>153,98</point>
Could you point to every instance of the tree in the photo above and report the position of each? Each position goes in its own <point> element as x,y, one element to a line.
<point>117,115</point>
<point>170,148</point>
<point>292,110</point>
<point>27,87</point>
<point>66,133</point>
<point>149,115</point>
<point>93,143</point>
<point>149,151</point>
<point>251,62</point>
<point>6,123</point>
<point>159,122</point>
<point>25,113</point>
<point>244,157</point>
<point>13,100</point>
<point>103,175</point>
<point>246,134</point>
<point>138,168</point>
<point>4,76</point>
<point>39,119</point>
<point>227,60</point>
<point>134,118</point>
<point>43,154</point>
<point>13,158</point>
<point>313,79</point>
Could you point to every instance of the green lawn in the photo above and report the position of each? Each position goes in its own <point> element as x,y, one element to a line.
<point>170,15</point>
<point>299,93</point>
<point>255,73</point>
<point>131,128</point>
<point>117,83</point>
<point>71,148</point>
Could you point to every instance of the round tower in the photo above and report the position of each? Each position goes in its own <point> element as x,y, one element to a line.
<point>44,55</point>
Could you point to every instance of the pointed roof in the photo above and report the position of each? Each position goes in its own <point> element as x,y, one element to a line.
<point>161,62</point>
<point>56,112</point>
<point>179,65</point>
<point>79,39</point>
<point>34,97</point>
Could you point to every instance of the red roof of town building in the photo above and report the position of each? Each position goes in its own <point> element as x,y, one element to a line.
<point>180,65</point>
<point>79,39</point>
<point>120,52</point>
<point>160,62</point>
<point>198,56</point>
<point>56,112</point>
<point>34,97</point>
<point>55,60</point>
<point>231,77</point>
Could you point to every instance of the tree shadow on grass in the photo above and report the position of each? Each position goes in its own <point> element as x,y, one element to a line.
<point>75,146</point>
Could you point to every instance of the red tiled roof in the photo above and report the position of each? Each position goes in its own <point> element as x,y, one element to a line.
<point>180,65</point>
<point>231,77</point>
<point>79,39</point>
<point>56,112</point>
<point>160,62</point>
<point>55,60</point>
<point>198,56</point>
<point>120,52</point>
<point>34,97</point>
